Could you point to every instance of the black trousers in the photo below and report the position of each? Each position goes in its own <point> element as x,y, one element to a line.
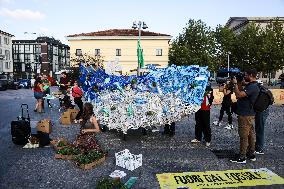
<point>228,112</point>
<point>202,118</point>
<point>170,128</point>
<point>78,101</point>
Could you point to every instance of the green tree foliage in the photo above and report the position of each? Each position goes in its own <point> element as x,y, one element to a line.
<point>272,50</point>
<point>194,46</point>
<point>253,47</point>
<point>247,47</point>
<point>225,44</point>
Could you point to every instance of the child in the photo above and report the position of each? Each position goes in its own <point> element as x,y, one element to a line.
<point>202,118</point>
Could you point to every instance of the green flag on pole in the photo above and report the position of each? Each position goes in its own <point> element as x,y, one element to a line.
<point>140,56</point>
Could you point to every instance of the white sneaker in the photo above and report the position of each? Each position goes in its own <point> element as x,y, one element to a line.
<point>216,123</point>
<point>229,127</point>
<point>75,121</point>
<point>155,129</point>
<point>195,141</point>
<point>207,144</point>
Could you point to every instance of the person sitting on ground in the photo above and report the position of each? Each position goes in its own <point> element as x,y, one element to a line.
<point>89,128</point>
<point>226,106</point>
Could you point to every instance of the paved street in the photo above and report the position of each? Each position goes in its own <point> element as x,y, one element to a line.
<point>37,168</point>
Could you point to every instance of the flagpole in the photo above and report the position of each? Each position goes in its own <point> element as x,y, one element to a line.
<point>141,25</point>
<point>139,43</point>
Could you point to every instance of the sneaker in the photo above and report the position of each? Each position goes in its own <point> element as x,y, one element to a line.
<point>238,160</point>
<point>259,152</point>
<point>49,105</point>
<point>251,157</point>
<point>217,123</point>
<point>229,127</point>
<point>195,141</point>
<point>75,121</point>
<point>207,144</point>
<point>155,129</point>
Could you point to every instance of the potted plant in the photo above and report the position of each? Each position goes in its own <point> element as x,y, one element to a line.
<point>91,159</point>
<point>68,152</point>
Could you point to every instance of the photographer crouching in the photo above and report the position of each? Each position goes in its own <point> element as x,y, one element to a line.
<point>246,115</point>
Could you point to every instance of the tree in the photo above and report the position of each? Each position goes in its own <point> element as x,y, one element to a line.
<point>194,46</point>
<point>95,61</point>
<point>272,51</point>
<point>247,47</point>
<point>225,43</point>
<point>86,59</point>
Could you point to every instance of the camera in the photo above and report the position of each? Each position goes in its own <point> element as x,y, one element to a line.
<point>239,77</point>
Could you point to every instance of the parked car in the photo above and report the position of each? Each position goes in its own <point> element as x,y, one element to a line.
<point>222,74</point>
<point>24,83</point>
<point>7,83</point>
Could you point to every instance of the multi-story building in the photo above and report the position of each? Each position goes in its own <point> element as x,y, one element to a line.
<point>121,45</point>
<point>6,65</point>
<point>43,55</point>
<point>238,24</point>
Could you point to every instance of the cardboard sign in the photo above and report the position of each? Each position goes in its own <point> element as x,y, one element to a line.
<point>219,179</point>
<point>65,118</point>
<point>44,126</point>
<point>73,113</point>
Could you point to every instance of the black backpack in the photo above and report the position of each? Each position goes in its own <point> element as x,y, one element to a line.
<point>263,100</point>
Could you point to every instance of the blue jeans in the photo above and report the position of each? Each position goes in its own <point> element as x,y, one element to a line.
<point>260,119</point>
<point>282,85</point>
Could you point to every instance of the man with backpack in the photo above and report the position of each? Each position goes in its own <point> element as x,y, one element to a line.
<point>246,116</point>
<point>265,98</point>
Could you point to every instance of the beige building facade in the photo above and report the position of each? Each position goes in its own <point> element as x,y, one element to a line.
<point>120,45</point>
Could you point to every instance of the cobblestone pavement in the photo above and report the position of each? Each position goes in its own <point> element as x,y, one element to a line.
<point>37,168</point>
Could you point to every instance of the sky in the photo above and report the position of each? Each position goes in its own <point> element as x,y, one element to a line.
<point>28,19</point>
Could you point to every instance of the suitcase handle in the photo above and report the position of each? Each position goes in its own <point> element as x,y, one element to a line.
<point>22,108</point>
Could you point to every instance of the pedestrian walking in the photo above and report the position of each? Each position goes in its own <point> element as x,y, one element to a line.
<point>246,116</point>
<point>202,118</point>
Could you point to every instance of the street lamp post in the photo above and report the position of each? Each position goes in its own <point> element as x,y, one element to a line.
<point>229,63</point>
<point>140,25</point>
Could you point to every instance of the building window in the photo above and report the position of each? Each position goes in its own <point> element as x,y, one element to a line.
<point>0,40</point>
<point>78,52</point>
<point>7,65</point>
<point>0,51</point>
<point>97,52</point>
<point>27,48</point>
<point>6,41</point>
<point>7,54</point>
<point>118,52</point>
<point>159,52</point>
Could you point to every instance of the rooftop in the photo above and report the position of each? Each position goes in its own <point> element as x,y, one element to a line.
<point>5,33</point>
<point>251,19</point>
<point>119,32</point>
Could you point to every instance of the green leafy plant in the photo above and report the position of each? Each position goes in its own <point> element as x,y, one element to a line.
<point>193,85</point>
<point>69,151</point>
<point>61,144</point>
<point>90,157</point>
<point>149,113</point>
<point>108,183</point>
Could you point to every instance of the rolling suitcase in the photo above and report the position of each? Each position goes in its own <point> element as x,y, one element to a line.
<point>21,129</point>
